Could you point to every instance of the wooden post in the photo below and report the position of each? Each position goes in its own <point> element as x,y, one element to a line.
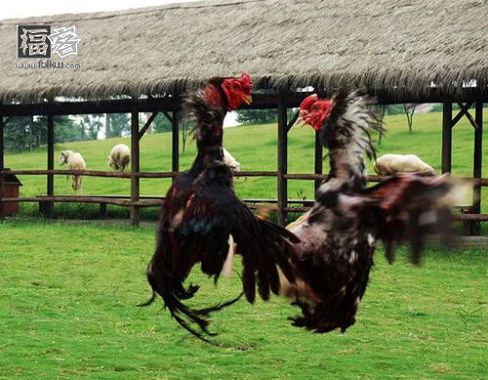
<point>175,166</point>
<point>2,154</point>
<point>103,211</point>
<point>319,164</point>
<point>47,208</point>
<point>2,193</point>
<point>135,167</point>
<point>446,137</point>
<point>477,166</point>
<point>282,161</point>
<point>2,166</point>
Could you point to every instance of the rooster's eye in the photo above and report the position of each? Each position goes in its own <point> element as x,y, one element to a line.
<point>236,87</point>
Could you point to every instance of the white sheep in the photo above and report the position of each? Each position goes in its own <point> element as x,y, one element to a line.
<point>390,164</point>
<point>75,161</point>
<point>119,157</point>
<point>231,162</point>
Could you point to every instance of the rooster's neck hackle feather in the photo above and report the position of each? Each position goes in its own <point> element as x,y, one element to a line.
<point>347,136</point>
<point>208,115</point>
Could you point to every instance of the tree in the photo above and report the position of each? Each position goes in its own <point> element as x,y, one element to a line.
<point>162,124</point>
<point>394,109</point>
<point>185,125</point>
<point>39,130</point>
<point>27,133</point>
<point>89,126</point>
<point>65,129</point>
<point>379,111</point>
<point>117,124</point>
<point>264,116</point>
<point>409,109</point>
<point>16,131</point>
<point>107,126</point>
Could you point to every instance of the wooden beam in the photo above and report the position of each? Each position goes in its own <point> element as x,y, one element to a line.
<point>471,120</point>
<point>292,121</point>
<point>2,199</point>
<point>164,104</point>
<point>173,103</point>
<point>168,116</point>
<point>282,162</point>
<point>156,202</point>
<point>91,107</point>
<point>294,176</point>
<point>463,110</point>
<point>47,208</point>
<point>175,143</point>
<point>108,198</point>
<point>2,147</point>
<point>434,95</point>
<point>477,166</point>
<point>2,163</point>
<point>97,173</point>
<point>471,217</point>
<point>2,194</point>
<point>102,213</point>
<point>446,137</point>
<point>135,166</point>
<point>147,124</point>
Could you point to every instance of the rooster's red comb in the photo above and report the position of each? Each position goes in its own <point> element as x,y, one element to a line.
<point>246,79</point>
<point>308,101</point>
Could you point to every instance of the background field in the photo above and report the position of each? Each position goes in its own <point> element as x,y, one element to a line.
<point>68,292</point>
<point>255,148</point>
<point>68,296</point>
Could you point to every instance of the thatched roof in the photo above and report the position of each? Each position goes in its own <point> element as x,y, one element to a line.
<point>394,46</point>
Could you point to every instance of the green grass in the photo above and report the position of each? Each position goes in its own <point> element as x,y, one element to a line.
<point>255,148</point>
<point>68,296</point>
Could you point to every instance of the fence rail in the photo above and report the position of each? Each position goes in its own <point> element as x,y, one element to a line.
<point>293,205</point>
<point>107,174</point>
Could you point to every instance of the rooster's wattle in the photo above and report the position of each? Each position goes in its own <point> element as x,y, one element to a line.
<point>339,234</point>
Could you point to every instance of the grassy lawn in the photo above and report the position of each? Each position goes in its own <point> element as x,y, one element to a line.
<point>68,296</point>
<point>255,148</point>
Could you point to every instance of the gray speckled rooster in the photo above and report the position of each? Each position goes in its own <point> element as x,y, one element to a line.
<point>339,234</point>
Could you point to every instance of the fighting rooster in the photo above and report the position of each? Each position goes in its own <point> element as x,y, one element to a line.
<point>201,211</point>
<point>339,234</point>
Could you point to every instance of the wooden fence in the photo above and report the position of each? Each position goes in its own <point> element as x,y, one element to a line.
<point>291,205</point>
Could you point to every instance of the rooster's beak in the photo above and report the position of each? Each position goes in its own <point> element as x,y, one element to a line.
<point>301,118</point>
<point>247,99</point>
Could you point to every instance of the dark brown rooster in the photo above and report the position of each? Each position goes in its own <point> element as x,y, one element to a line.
<point>339,234</point>
<point>201,211</point>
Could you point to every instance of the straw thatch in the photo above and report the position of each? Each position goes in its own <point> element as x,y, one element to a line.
<point>394,46</point>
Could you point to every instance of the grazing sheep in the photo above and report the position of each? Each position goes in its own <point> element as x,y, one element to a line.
<point>231,162</point>
<point>119,157</point>
<point>389,164</point>
<point>75,161</point>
